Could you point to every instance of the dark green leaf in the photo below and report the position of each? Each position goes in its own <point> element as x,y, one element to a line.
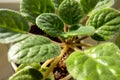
<point>88,5</point>
<point>50,23</point>
<point>33,49</point>
<point>27,73</point>
<point>13,21</point>
<point>84,30</point>
<point>98,63</point>
<point>13,27</point>
<point>57,2</point>
<point>106,22</point>
<point>74,27</point>
<point>70,11</point>
<point>32,8</point>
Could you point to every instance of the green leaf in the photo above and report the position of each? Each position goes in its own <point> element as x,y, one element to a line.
<point>70,11</point>
<point>13,26</point>
<point>32,8</point>
<point>57,2</point>
<point>97,63</point>
<point>36,66</point>
<point>103,4</point>
<point>84,30</point>
<point>106,22</point>
<point>8,36</point>
<point>33,49</point>
<point>50,23</point>
<point>13,21</point>
<point>27,73</point>
<point>88,5</point>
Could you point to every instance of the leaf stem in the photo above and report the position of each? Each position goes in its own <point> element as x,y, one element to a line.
<point>47,62</point>
<point>68,77</point>
<point>55,62</point>
<point>61,39</point>
<point>65,27</point>
<point>14,66</point>
<point>78,40</point>
<point>74,48</point>
<point>82,44</point>
<point>60,44</point>
<point>85,20</point>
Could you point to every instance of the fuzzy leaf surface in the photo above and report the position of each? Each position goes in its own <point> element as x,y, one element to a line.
<point>57,2</point>
<point>13,26</point>
<point>36,66</point>
<point>50,23</point>
<point>33,8</point>
<point>106,23</point>
<point>27,73</point>
<point>103,4</point>
<point>8,36</point>
<point>88,5</point>
<point>97,63</point>
<point>70,12</point>
<point>33,49</point>
<point>81,30</point>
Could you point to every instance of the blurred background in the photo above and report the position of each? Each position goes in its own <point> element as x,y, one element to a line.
<point>5,67</point>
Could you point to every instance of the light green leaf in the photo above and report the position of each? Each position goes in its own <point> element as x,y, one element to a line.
<point>83,30</point>
<point>32,8</point>
<point>70,11</point>
<point>36,66</point>
<point>50,23</point>
<point>88,5</point>
<point>8,36</point>
<point>33,49</point>
<point>106,22</point>
<point>13,26</point>
<point>57,2</point>
<point>103,4</point>
<point>27,73</point>
<point>97,63</point>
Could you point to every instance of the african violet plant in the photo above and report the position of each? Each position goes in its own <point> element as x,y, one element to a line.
<point>47,39</point>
